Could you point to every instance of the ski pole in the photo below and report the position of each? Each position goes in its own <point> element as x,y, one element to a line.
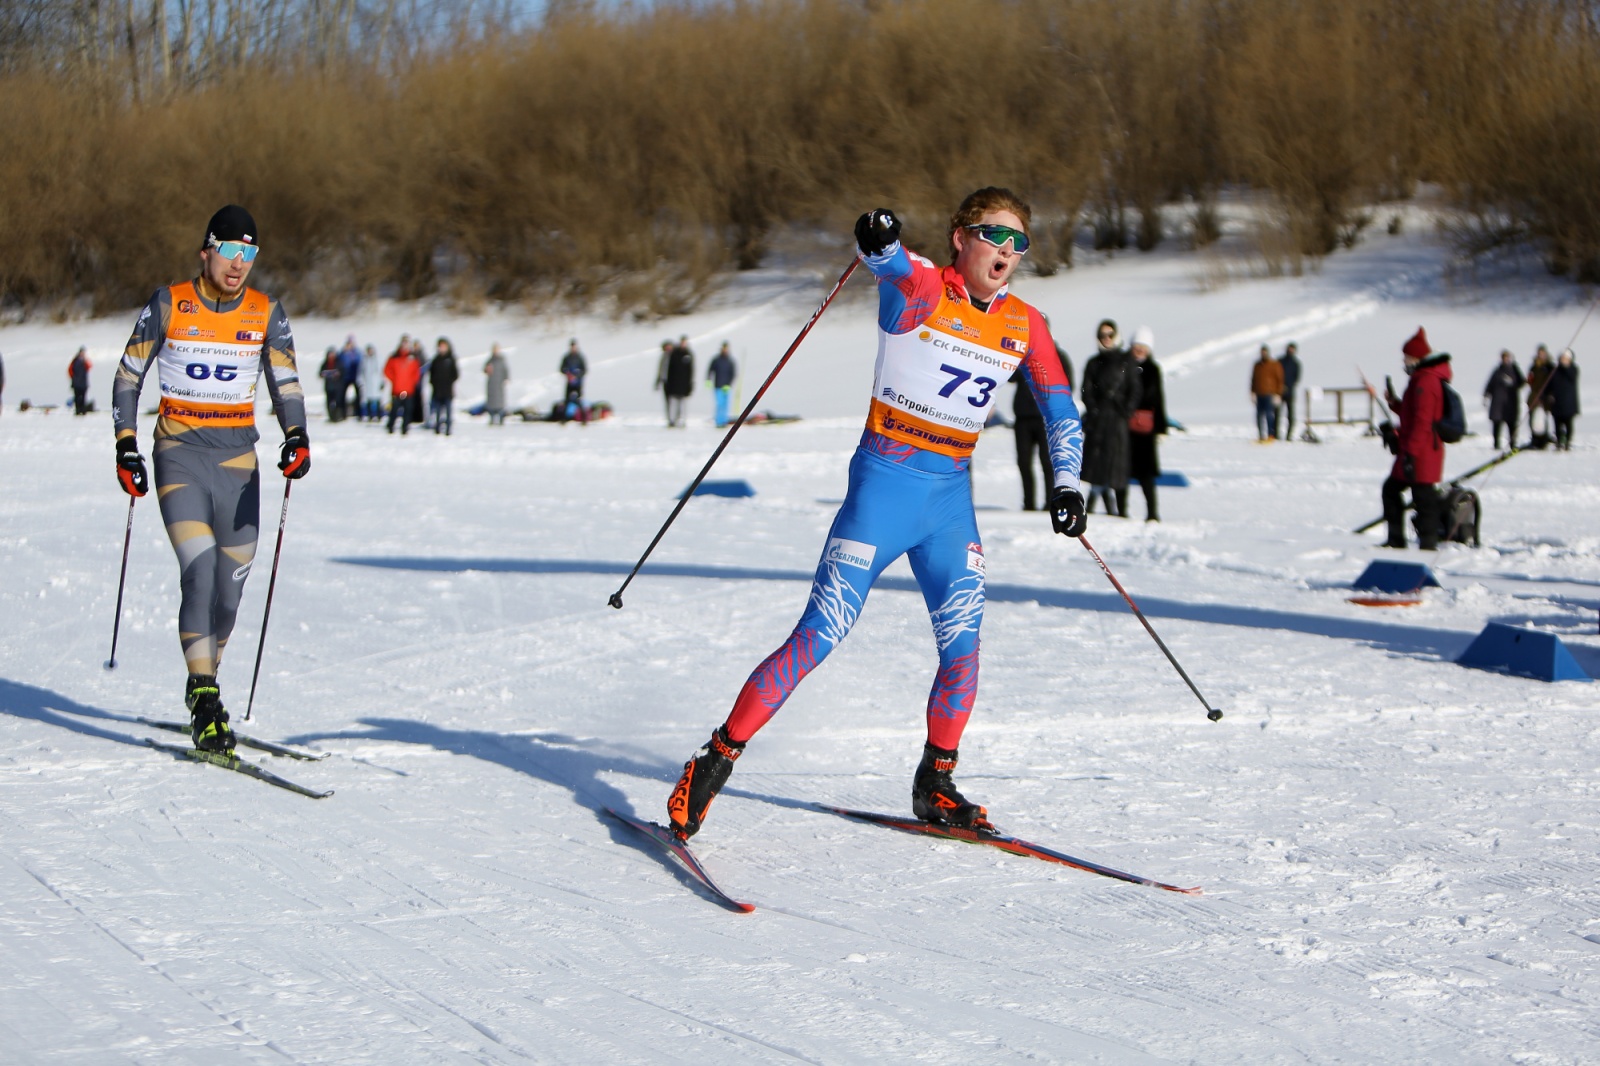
<point>1213,713</point>
<point>272,583</point>
<point>616,597</point>
<point>116,625</point>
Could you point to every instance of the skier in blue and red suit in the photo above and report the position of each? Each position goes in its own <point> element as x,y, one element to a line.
<point>947,339</point>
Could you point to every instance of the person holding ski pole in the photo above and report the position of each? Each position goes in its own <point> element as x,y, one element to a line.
<point>947,338</point>
<point>211,340</point>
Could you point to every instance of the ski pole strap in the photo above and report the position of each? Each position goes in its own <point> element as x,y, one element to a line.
<point>1213,713</point>
<point>616,597</point>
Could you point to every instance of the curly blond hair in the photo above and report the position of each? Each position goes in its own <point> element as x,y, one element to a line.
<point>980,203</point>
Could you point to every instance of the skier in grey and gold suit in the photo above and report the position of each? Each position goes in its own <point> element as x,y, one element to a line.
<point>211,339</point>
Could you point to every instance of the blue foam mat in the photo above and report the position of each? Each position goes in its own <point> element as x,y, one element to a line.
<point>1523,652</point>
<point>1385,575</point>
<point>736,488</point>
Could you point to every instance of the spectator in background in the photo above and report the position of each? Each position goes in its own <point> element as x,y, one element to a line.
<point>721,373</point>
<point>403,374</point>
<point>371,386</point>
<point>675,377</point>
<point>1290,362</point>
<point>1503,396</point>
<point>1539,398</point>
<point>350,367</point>
<point>1419,453</point>
<point>417,411</point>
<point>1149,421</point>
<point>78,372</point>
<point>573,369</point>
<point>1266,392</point>
<point>1030,433</point>
<point>442,375</point>
<point>1108,397</point>
<point>1564,398</point>
<point>332,384</point>
<point>498,372</point>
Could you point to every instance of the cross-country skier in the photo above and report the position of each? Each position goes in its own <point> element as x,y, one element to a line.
<point>947,339</point>
<point>211,339</point>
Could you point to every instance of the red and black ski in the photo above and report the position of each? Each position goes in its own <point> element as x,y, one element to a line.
<point>669,840</point>
<point>999,840</point>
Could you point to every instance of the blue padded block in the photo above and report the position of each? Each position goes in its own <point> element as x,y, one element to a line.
<point>738,488</point>
<point>1388,576</point>
<point>1172,479</point>
<point>1524,652</point>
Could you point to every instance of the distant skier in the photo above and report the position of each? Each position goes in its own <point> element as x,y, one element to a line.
<point>78,373</point>
<point>211,339</point>
<point>1419,453</point>
<point>947,338</point>
<point>721,372</point>
<point>573,370</point>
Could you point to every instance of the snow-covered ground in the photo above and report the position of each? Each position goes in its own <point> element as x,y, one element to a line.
<point>1400,856</point>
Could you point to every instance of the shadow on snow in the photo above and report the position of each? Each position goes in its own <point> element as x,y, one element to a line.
<point>1441,644</point>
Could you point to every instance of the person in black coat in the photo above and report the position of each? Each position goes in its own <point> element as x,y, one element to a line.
<point>1030,432</point>
<point>442,376</point>
<point>675,377</point>
<point>1564,399</point>
<point>1503,396</point>
<point>78,372</point>
<point>1108,397</point>
<point>1290,361</point>
<point>1149,421</point>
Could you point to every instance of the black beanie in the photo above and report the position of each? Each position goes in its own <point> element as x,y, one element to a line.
<point>232,223</point>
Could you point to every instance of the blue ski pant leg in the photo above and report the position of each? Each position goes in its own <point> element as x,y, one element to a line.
<point>949,568</point>
<point>887,511</point>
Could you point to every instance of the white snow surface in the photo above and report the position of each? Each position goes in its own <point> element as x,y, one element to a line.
<point>1399,855</point>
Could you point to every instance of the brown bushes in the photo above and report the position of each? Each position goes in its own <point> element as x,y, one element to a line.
<point>638,155</point>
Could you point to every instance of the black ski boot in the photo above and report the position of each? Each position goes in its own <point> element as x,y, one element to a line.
<point>703,777</point>
<point>208,721</point>
<point>934,797</point>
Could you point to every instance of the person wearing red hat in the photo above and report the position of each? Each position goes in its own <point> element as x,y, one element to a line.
<point>1419,451</point>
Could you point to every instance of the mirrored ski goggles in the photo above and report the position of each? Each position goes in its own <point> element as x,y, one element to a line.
<point>234,249</point>
<point>999,235</point>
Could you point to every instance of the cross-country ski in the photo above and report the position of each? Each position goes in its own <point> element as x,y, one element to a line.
<point>668,840</point>
<point>272,747</point>
<point>996,839</point>
<point>229,761</point>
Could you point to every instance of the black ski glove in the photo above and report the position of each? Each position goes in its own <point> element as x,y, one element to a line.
<point>130,467</point>
<point>295,459</point>
<point>1067,514</point>
<point>1391,437</point>
<point>877,230</point>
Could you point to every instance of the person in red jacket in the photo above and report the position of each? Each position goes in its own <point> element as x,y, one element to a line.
<point>404,374</point>
<point>1419,453</point>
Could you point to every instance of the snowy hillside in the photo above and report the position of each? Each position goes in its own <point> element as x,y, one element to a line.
<point>1400,857</point>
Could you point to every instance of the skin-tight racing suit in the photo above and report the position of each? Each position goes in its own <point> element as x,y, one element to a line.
<point>210,352</point>
<point>941,357</point>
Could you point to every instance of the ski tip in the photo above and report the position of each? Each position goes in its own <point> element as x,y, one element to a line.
<point>1196,891</point>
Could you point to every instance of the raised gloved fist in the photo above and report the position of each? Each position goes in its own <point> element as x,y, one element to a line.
<point>1067,514</point>
<point>131,474</point>
<point>295,459</point>
<point>877,230</point>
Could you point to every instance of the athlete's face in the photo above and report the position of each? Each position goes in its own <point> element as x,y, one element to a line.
<point>984,267</point>
<point>226,275</point>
